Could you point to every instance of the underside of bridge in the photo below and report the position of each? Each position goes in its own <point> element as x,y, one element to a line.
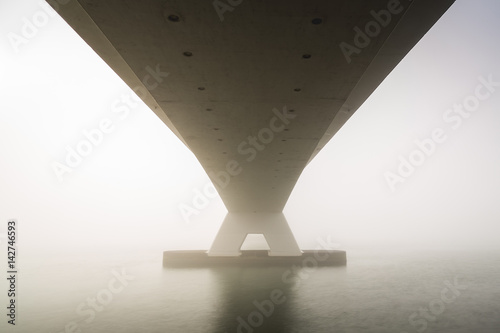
<point>254,88</point>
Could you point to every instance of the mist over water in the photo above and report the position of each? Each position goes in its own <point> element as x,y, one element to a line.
<point>422,258</point>
<point>381,291</point>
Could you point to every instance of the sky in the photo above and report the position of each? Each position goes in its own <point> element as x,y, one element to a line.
<point>416,167</point>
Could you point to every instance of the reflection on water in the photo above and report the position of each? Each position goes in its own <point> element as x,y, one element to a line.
<point>256,299</point>
<point>253,298</point>
<point>371,294</point>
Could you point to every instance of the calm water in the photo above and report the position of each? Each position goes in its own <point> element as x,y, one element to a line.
<point>374,293</point>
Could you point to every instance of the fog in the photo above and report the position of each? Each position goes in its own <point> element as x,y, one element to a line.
<point>127,192</point>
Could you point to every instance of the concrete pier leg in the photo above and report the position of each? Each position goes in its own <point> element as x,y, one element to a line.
<point>237,226</point>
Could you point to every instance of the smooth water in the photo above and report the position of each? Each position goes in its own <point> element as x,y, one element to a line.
<point>386,292</point>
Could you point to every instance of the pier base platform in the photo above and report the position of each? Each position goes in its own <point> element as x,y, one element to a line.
<point>200,258</point>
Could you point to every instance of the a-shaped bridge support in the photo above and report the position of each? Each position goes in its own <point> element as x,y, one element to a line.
<point>237,226</point>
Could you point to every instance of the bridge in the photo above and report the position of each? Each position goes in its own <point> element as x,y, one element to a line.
<point>254,88</point>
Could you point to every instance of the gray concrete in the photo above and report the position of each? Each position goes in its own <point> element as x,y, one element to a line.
<point>236,227</point>
<point>246,66</point>
<point>308,259</point>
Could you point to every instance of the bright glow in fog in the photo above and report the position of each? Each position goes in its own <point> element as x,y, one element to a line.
<point>126,193</point>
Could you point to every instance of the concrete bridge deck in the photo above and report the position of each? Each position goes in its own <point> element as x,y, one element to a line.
<point>255,88</point>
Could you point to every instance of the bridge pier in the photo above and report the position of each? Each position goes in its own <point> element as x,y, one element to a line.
<point>237,226</point>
